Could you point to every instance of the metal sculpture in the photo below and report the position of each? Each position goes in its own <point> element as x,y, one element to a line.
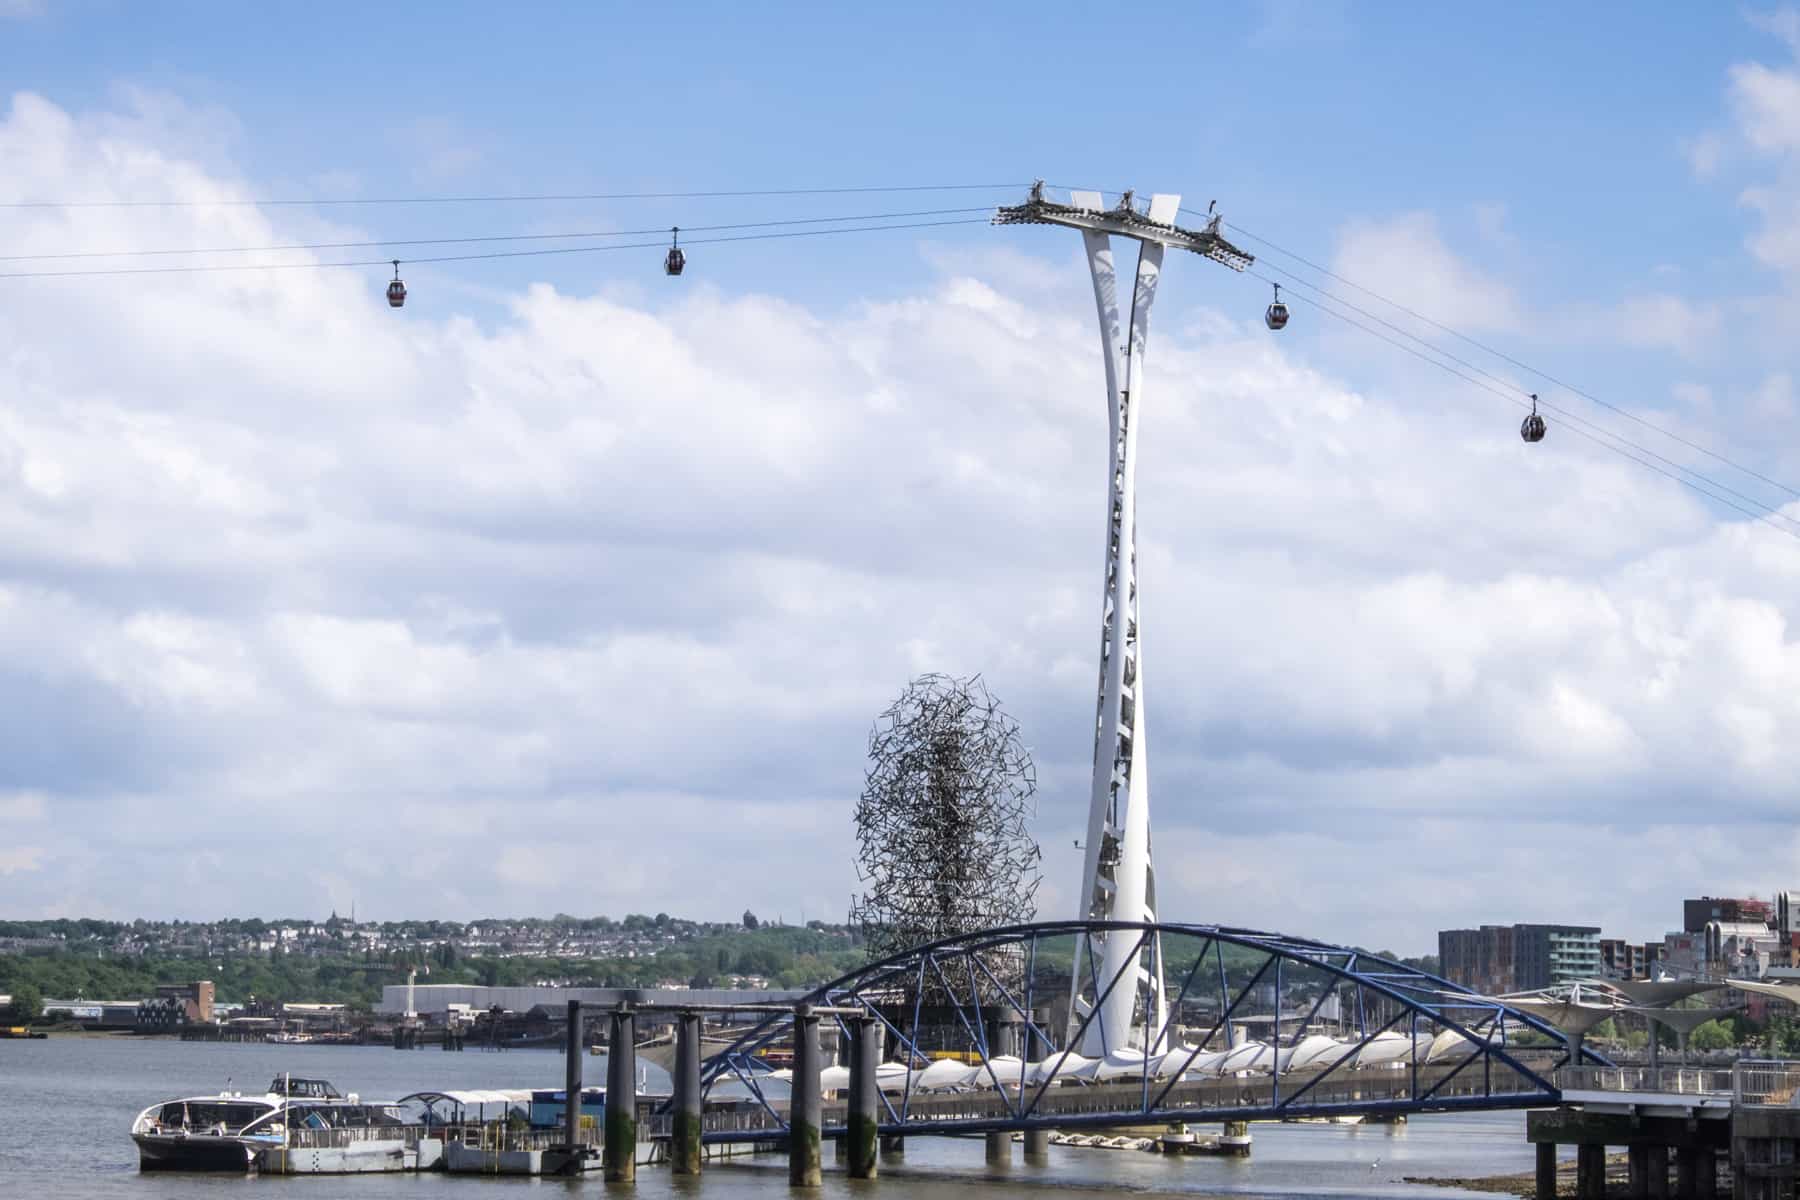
<point>1263,1026</point>
<point>941,839</point>
<point>1118,881</point>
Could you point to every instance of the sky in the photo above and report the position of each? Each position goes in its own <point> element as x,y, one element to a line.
<point>571,587</point>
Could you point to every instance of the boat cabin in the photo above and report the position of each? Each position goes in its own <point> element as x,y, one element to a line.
<point>303,1089</point>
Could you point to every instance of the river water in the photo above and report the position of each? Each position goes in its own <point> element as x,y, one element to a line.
<point>66,1107</point>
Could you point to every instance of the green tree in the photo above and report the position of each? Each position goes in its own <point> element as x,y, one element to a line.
<point>1714,1035</point>
<point>27,1004</point>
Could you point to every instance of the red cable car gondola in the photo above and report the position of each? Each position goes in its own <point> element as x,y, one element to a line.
<point>1277,316</point>
<point>676,259</point>
<point>1532,429</point>
<point>396,290</point>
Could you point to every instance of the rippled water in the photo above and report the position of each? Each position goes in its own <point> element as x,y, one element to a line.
<point>66,1107</point>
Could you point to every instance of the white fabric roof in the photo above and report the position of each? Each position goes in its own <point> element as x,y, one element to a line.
<point>1653,993</point>
<point>1781,991</point>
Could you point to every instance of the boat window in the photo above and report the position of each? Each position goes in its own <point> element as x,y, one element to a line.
<point>206,1114</point>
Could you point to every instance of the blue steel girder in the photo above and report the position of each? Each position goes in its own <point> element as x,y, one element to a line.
<point>1387,993</point>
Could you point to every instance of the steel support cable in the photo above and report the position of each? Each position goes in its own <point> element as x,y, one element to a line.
<point>322,202</point>
<point>448,258</point>
<point>512,237</point>
<point>1516,393</point>
<point>1579,432</point>
<point>1501,354</point>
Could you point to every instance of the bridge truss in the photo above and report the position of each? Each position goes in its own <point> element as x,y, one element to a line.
<point>1262,1026</point>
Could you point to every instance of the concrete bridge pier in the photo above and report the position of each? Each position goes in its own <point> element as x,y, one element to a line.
<point>684,1141</point>
<point>572,1052</point>
<point>893,1147</point>
<point>1037,1147</point>
<point>1706,1175</point>
<point>1546,1170</point>
<point>861,1128</point>
<point>805,1168</point>
<point>619,1154</point>
<point>1637,1171</point>
<point>1687,1173</point>
<point>1003,1039</point>
<point>1658,1173</point>
<point>1590,1171</point>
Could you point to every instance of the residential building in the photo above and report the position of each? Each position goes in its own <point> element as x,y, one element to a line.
<point>1479,959</point>
<point>1684,953</point>
<point>1697,914</point>
<point>1740,949</point>
<point>1547,955</point>
<point>194,999</point>
<point>1620,959</point>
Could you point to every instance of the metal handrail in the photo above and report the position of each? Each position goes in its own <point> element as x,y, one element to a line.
<point>331,1139</point>
<point>1766,1083</point>
<point>1673,1081</point>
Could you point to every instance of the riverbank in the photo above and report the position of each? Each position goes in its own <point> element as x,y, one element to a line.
<point>1524,1183</point>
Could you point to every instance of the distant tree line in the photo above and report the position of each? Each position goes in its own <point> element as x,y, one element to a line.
<point>786,956</point>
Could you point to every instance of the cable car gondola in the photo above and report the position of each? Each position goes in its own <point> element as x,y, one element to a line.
<point>1532,429</point>
<point>1277,316</point>
<point>676,259</point>
<point>396,290</point>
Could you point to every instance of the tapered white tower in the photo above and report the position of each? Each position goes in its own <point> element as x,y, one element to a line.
<point>1121,973</point>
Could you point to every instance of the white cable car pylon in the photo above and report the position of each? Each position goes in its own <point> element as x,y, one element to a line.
<point>1118,879</point>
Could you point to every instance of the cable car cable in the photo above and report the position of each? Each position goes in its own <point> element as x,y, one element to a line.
<point>1597,439</point>
<point>1596,434</point>
<point>322,202</point>
<point>449,241</point>
<point>1501,354</point>
<point>1513,391</point>
<point>211,268</point>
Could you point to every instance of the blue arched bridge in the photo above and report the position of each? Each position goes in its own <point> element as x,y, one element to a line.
<point>973,1033</point>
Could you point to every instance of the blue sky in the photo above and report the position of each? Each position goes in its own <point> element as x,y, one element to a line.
<point>568,544</point>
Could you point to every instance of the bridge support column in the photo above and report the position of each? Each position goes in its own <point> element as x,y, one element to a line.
<point>999,1148</point>
<point>1546,1171</point>
<point>1637,1171</point>
<point>1037,1147</point>
<point>572,1052</point>
<point>804,1166</point>
<point>893,1147</point>
<point>1706,1177</point>
<point>1659,1172</point>
<point>1590,1171</point>
<point>619,1158</point>
<point>1236,1139</point>
<point>684,1141</point>
<point>1687,1172</point>
<point>864,1120</point>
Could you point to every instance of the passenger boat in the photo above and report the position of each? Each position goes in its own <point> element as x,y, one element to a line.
<point>298,1126</point>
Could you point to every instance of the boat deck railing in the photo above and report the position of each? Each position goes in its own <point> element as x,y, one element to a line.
<point>497,1136</point>
<point>340,1138</point>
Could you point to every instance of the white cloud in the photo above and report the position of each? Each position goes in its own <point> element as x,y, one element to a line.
<point>1406,256</point>
<point>597,598</point>
<point>18,808</point>
<point>20,859</point>
<point>1783,22</point>
<point>1765,106</point>
<point>1666,321</point>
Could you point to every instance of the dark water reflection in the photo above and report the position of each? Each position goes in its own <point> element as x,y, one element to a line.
<point>66,1106</point>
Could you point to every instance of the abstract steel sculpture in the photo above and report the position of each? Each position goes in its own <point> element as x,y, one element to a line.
<point>941,840</point>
